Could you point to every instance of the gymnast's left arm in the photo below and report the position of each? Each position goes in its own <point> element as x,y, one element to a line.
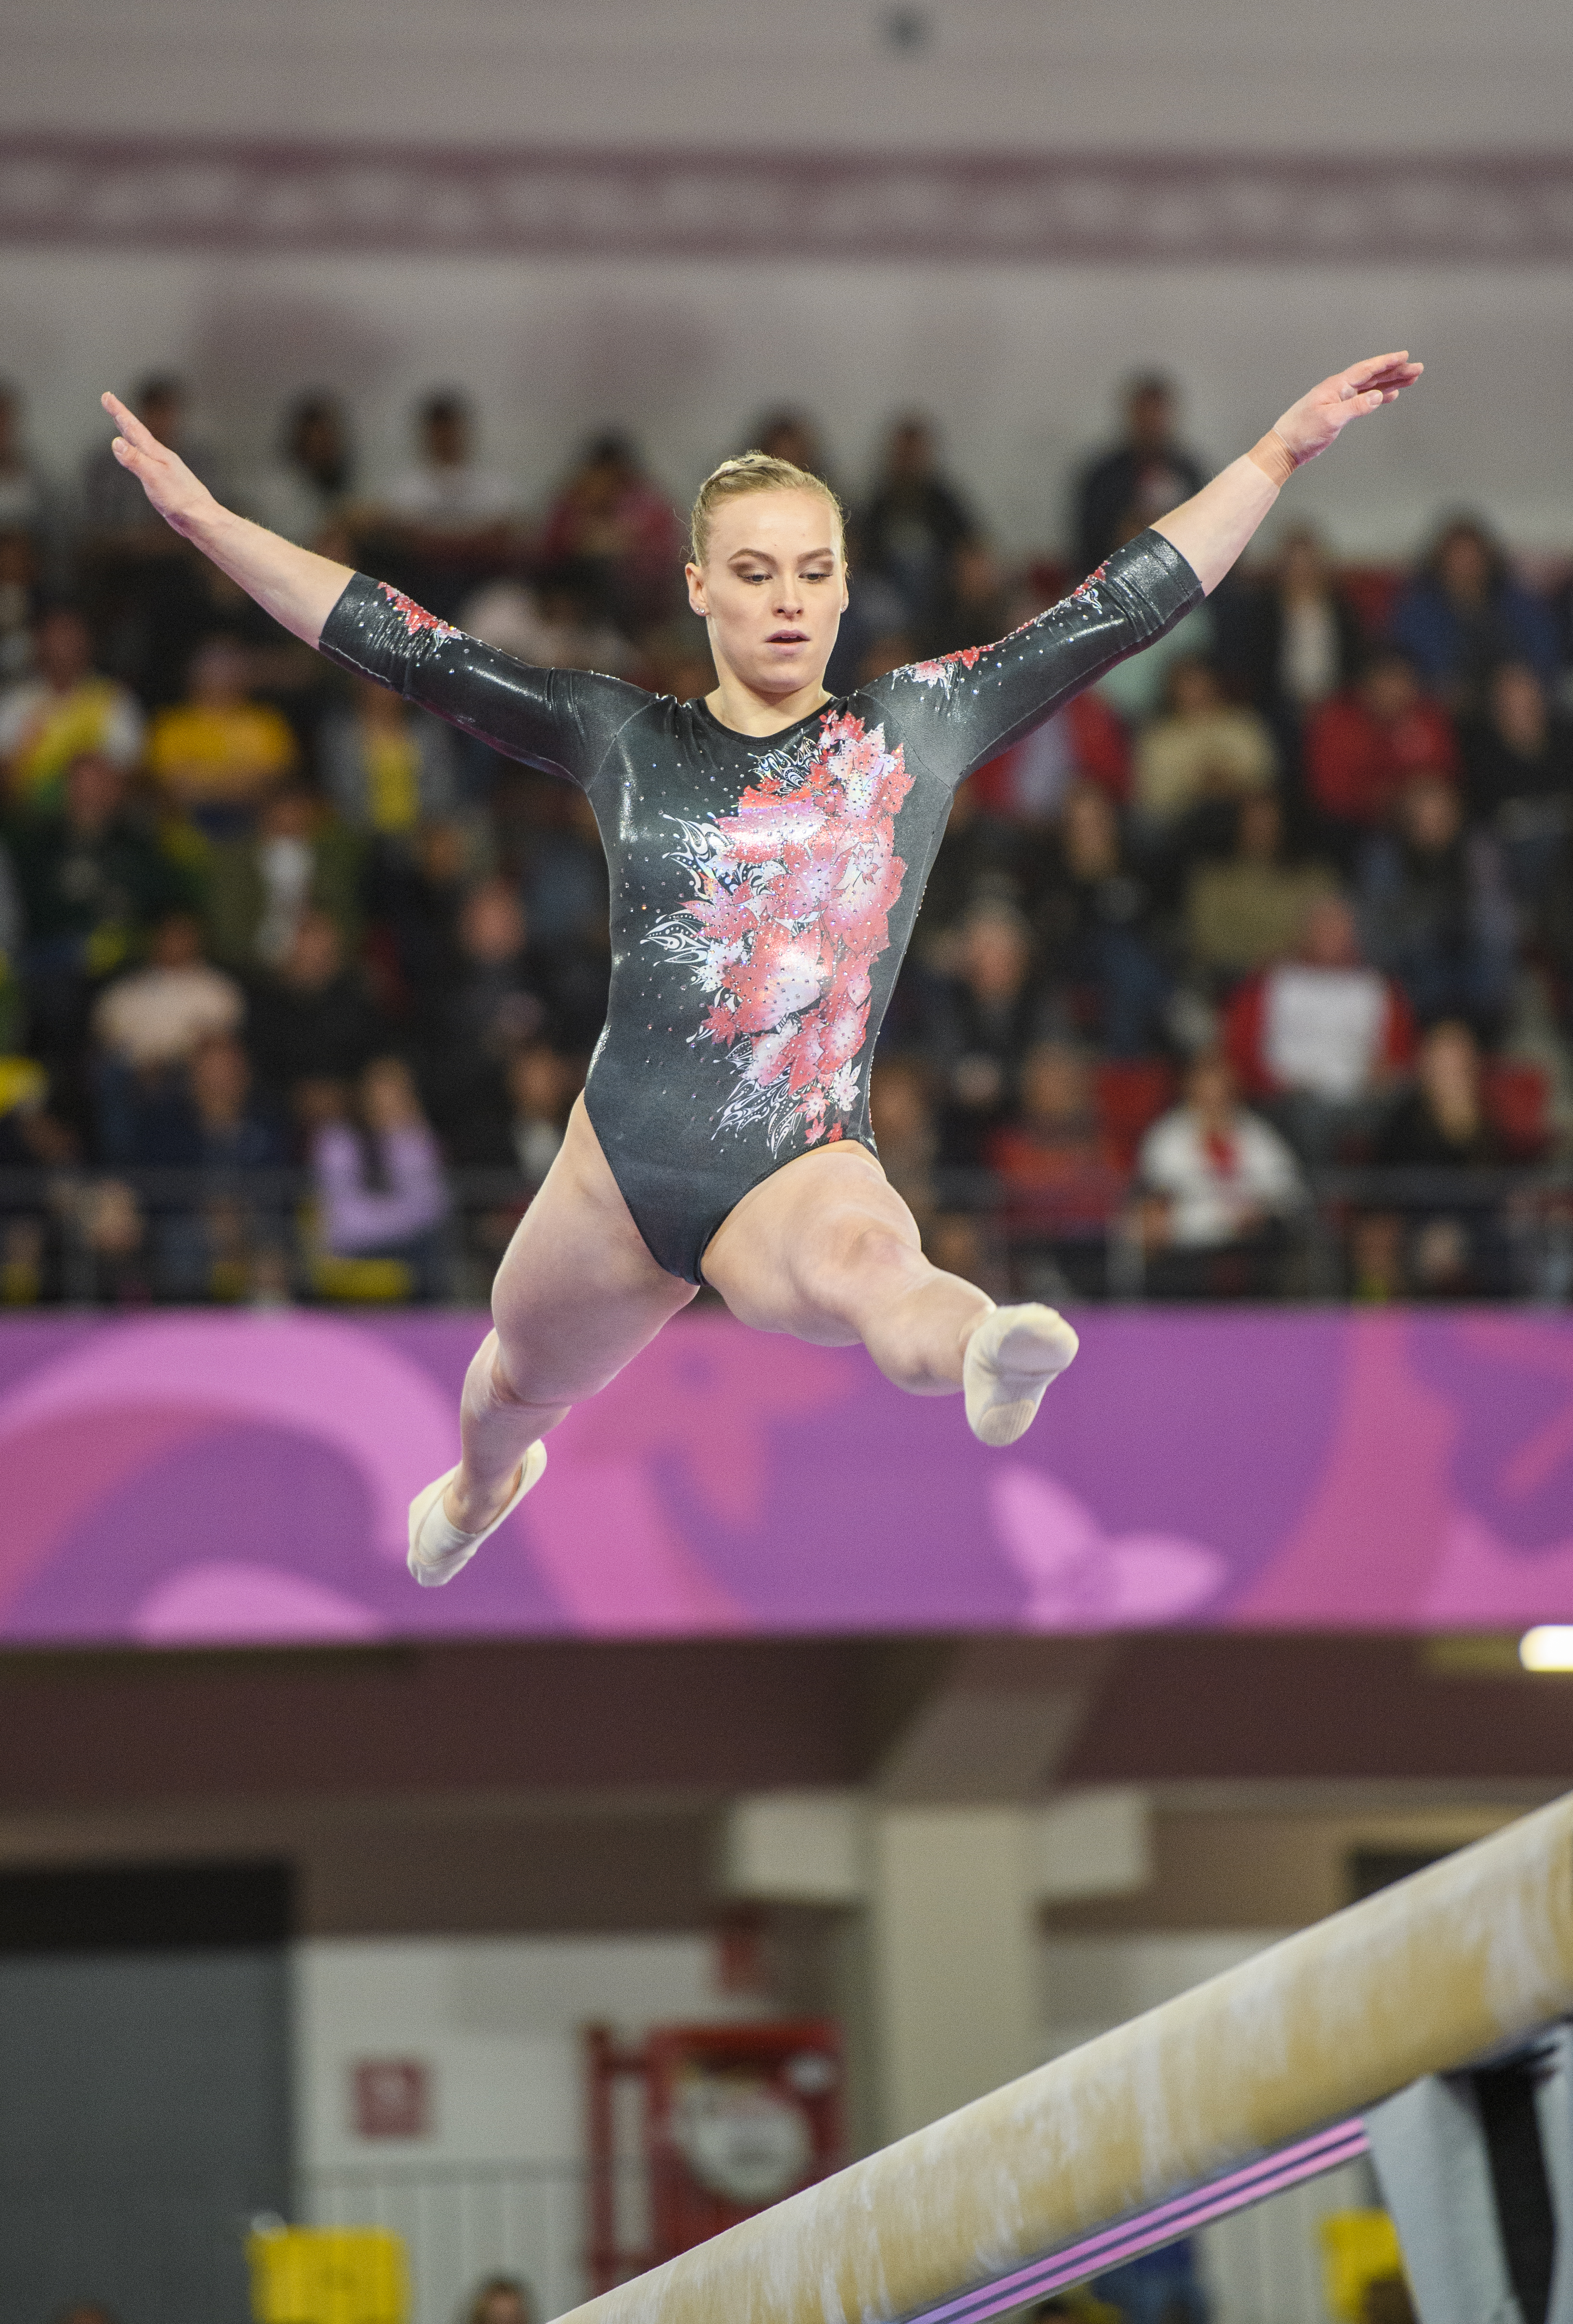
<point>963,708</point>
<point>1212,528</point>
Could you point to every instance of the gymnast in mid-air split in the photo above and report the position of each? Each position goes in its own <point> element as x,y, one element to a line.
<point>768,848</point>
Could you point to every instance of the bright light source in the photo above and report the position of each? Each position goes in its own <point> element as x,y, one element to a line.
<point>1547,1647</point>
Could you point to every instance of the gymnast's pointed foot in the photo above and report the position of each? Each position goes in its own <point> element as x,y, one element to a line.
<point>1011,1358</point>
<point>437,1549</point>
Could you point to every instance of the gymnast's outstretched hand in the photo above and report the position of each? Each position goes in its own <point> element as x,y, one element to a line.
<point>1211,528</point>
<point>181,498</point>
<point>1318,418</point>
<point>295,585</point>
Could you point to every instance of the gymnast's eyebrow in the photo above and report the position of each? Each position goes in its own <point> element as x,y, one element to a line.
<point>764,556</point>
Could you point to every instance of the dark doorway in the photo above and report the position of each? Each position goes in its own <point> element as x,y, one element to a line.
<point>144,2087</point>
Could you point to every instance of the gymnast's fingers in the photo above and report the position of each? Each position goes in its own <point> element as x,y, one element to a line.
<point>1362,374</point>
<point>139,438</point>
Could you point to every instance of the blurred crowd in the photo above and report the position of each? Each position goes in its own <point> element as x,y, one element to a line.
<point>1248,974</point>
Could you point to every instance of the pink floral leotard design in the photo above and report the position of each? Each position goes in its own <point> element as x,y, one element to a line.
<point>762,891</point>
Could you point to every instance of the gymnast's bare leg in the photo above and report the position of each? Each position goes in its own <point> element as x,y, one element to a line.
<point>825,1249</point>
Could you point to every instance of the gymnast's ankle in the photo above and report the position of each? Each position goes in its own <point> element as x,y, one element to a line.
<point>470,1505</point>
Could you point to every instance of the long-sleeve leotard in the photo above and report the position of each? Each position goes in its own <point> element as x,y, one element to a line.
<point>764,890</point>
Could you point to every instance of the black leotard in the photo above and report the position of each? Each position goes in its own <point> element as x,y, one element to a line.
<point>763,890</point>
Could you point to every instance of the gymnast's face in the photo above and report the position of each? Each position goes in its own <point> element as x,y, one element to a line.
<point>772,588</point>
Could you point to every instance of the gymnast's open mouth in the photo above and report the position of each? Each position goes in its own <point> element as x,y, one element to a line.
<point>787,637</point>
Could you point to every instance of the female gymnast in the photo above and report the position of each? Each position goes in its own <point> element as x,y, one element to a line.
<point>768,848</point>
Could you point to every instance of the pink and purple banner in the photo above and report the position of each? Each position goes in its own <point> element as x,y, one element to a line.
<point>210,1478</point>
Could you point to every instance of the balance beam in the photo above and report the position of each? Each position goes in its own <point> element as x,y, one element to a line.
<point>1422,1979</point>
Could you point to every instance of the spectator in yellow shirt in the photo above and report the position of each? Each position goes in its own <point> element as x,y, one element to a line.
<point>1202,746</point>
<point>217,754</point>
<point>66,711</point>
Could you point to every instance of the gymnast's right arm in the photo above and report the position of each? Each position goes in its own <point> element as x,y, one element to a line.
<point>558,720</point>
<point>297,587</point>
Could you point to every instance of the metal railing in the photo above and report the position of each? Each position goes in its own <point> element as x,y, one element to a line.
<point>463,2222</point>
<point>158,2245</point>
<point>82,1237</point>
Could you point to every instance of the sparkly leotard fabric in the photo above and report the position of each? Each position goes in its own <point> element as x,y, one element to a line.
<point>764,892</point>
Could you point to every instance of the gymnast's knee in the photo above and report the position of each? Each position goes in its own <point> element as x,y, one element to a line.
<point>851,1252</point>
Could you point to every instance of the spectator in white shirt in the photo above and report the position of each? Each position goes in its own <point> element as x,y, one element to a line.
<point>1215,1178</point>
<point>1321,1038</point>
<point>157,1015</point>
<point>447,496</point>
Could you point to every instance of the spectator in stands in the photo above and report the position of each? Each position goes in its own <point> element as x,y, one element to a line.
<point>218,753</point>
<point>413,896</point>
<point>542,1086</point>
<point>312,1017</point>
<point>494,1003</point>
<point>620,532</point>
<point>501,2299</point>
<point>65,711</point>
<point>901,1100</point>
<point>203,1118</point>
<point>1203,747</point>
<point>1147,473</point>
<point>979,606</point>
<point>1083,742</point>
<point>1453,1247</point>
<point>981,859</point>
<point>1464,612</point>
<point>552,623</point>
<point>1095,921</point>
<point>92,881</point>
<point>909,532</point>
<point>1061,1181</point>
<point>308,488</point>
<point>1364,745</point>
<point>564,885</point>
<point>1296,638</point>
<point>387,767</point>
<point>788,435</point>
<point>155,1016</point>
<point>1321,1037</point>
<point>26,503</point>
<point>1435,911</point>
<point>18,607</point>
<point>298,859</point>
<point>446,500</point>
<point>983,1020</point>
<point>378,1176</point>
<point>1218,1186</point>
<point>1519,760</point>
<point>1247,909</point>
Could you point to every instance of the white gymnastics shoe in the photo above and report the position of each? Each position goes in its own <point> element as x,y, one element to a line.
<point>437,1548</point>
<point>1010,1361</point>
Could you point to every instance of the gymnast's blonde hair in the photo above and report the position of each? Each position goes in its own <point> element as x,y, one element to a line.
<point>751,472</point>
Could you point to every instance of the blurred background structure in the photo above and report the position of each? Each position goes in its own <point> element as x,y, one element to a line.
<point>307,1895</point>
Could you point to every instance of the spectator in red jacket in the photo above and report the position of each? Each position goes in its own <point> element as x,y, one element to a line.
<point>1059,1175</point>
<point>1365,745</point>
<point>1319,1039</point>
